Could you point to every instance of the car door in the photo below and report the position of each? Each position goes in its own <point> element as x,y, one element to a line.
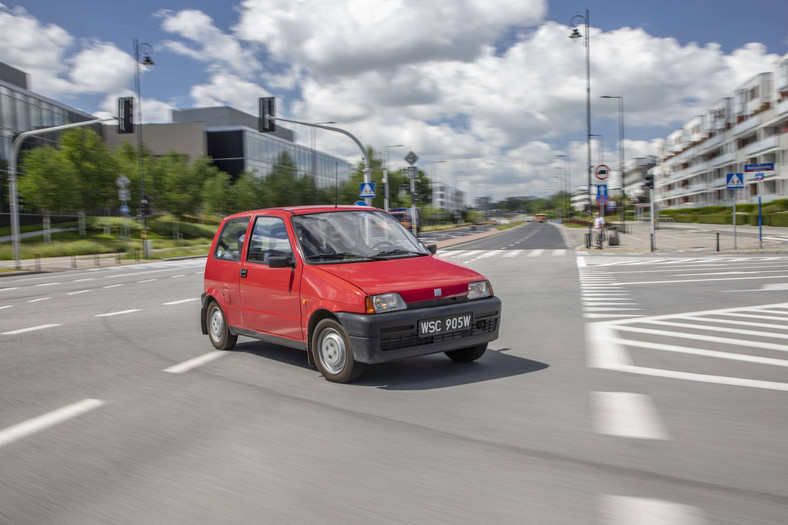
<point>270,297</point>
<point>222,271</point>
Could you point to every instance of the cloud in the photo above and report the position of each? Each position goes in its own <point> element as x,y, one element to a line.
<point>206,43</point>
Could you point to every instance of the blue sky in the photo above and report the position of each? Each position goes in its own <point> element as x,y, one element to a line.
<point>493,87</point>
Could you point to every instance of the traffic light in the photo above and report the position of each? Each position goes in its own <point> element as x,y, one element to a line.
<point>145,205</point>
<point>649,181</point>
<point>126,115</point>
<point>267,108</point>
<point>20,200</point>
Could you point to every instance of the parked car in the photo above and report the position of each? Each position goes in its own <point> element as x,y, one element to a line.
<point>347,284</point>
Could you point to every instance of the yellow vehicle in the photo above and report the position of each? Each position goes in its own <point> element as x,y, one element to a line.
<point>540,217</point>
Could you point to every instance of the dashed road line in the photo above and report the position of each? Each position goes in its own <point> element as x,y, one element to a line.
<point>181,301</point>
<point>627,414</point>
<point>122,312</point>
<point>626,510</point>
<point>42,422</point>
<point>30,329</point>
<point>194,363</point>
<point>39,299</point>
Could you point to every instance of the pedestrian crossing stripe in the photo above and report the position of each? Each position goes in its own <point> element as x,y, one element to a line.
<point>478,254</point>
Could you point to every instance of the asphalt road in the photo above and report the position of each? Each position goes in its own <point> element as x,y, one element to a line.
<point>623,389</point>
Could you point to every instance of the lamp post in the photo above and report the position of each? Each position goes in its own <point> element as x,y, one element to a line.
<point>457,195</point>
<point>576,20</point>
<point>620,152</point>
<point>386,177</point>
<point>146,49</point>
<point>567,182</point>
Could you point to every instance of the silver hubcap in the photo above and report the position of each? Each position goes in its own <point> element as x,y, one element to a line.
<point>217,324</point>
<point>333,353</point>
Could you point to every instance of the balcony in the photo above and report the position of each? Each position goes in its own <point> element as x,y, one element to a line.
<point>699,167</point>
<point>747,125</point>
<point>782,107</point>
<point>761,145</point>
<point>727,158</point>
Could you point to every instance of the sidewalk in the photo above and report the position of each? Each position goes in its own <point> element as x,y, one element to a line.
<point>688,239</point>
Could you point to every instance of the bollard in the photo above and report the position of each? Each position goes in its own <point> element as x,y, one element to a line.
<point>37,257</point>
<point>718,241</point>
<point>588,240</point>
<point>117,257</point>
<point>96,260</point>
<point>73,260</point>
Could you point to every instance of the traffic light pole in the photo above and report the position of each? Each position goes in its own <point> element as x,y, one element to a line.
<point>12,159</point>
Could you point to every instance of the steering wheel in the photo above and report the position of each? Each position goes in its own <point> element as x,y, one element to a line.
<point>384,245</point>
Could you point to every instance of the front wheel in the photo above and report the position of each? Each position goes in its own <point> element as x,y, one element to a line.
<point>332,353</point>
<point>218,331</point>
<point>466,355</point>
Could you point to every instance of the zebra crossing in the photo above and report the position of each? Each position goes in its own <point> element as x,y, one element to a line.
<point>473,255</point>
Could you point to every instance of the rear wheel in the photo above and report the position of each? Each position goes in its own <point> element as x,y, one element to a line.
<point>332,353</point>
<point>466,355</point>
<point>218,331</point>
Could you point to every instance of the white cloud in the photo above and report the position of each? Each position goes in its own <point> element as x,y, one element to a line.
<point>228,90</point>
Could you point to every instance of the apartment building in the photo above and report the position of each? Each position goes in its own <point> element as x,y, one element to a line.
<point>748,127</point>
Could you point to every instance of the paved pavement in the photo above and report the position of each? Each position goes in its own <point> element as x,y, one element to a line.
<point>673,239</point>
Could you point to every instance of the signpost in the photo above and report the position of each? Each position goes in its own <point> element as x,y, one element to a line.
<point>735,182</point>
<point>758,170</point>
<point>413,174</point>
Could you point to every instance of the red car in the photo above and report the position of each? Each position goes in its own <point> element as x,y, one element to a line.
<point>348,284</point>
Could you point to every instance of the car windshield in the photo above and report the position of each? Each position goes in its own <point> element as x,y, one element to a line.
<point>352,236</point>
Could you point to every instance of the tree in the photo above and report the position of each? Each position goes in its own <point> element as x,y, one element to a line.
<point>95,166</point>
<point>49,181</point>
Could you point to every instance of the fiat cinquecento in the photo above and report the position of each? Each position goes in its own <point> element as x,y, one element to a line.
<point>347,284</point>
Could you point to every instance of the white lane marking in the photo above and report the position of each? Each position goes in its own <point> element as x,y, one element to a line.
<point>78,292</point>
<point>122,312</point>
<point>9,289</point>
<point>176,276</point>
<point>705,280</point>
<point>30,329</point>
<point>6,306</point>
<point>112,285</point>
<point>607,303</point>
<point>723,329</point>
<point>47,284</point>
<point>744,323</point>
<point>603,309</point>
<point>181,301</point>
<point>627,414</point>
<point>625,510</point>
<point>604,350</point>
<point>706,353</point>
<point>513,253</point>
<point>42,422</point>
<point>194,363</point>
<point>39,299</point>
<point>87,279</point>
<point>535,253</point>
<point>559,252</point>
<point>147,281</point>
<point>706,338</point>
<point>581,262</point>
<point>608,316</point>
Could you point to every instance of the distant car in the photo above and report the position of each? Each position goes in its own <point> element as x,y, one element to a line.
<point>349,285</point>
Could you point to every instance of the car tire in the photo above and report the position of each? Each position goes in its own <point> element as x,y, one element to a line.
<point>332,353</point>
<point>218,331</point>
<point>466,355</point>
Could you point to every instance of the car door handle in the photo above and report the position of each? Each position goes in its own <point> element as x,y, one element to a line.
<point>243,272</point>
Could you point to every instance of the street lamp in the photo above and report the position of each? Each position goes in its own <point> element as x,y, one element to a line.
<point>146,49</point>
<point>567,183</point>
<point>620,153</point>
<point>386,176</point>
<point>576,20</point>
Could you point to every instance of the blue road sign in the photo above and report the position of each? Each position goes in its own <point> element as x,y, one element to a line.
<point>767,166</point>
<point>366,190</point>
<point>124,210</point>
<point>735,181</point>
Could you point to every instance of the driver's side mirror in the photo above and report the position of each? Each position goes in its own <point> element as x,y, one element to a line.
<point>433,248</point>
<point>280,261</point>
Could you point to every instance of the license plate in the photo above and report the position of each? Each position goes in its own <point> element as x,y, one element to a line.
<point>445,325</point>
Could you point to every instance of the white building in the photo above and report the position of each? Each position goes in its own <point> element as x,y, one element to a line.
<point>447,197</point>
<point>749,127</point>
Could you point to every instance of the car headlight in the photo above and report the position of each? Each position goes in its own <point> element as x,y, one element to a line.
<point>479,290</point>
<point>385,302</point>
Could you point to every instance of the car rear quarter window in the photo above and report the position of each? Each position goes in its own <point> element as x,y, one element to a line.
<point>231,239</point>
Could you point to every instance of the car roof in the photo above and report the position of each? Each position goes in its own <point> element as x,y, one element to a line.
<point>302,210</point>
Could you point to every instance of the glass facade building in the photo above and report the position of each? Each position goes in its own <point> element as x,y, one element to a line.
<point>21,110</point>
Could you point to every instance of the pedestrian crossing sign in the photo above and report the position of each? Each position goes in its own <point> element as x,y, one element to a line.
<point>366,190</point>
<point>735,181</point>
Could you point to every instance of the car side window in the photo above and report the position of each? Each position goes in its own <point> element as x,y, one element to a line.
<point>231,240</point>
<point>269,237</point>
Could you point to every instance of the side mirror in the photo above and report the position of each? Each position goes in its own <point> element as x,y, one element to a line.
<point>280,261</point>
<point>433,248</point>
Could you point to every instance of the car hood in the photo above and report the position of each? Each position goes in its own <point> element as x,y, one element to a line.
<point>415,278</point>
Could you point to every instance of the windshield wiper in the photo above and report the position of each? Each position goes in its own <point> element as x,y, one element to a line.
<point>334,256</point>
<point>388,253</point>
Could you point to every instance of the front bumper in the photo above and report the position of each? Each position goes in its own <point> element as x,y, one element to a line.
<point>379,338</point>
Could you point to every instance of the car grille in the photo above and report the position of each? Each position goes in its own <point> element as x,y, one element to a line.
<point>411,339</point>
